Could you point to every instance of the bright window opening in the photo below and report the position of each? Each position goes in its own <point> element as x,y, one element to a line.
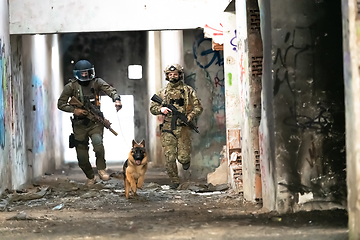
<point>135,72</point>
<point>116,147</point>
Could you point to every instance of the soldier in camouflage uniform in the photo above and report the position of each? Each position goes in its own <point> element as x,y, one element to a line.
<point>176,143</point>
<point>85,86</point>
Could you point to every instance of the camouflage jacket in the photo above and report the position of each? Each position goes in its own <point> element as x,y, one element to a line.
<point>73,88</point>
<point>183,97</point>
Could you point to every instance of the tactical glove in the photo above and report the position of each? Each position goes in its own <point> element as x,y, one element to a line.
<point>80,112</point>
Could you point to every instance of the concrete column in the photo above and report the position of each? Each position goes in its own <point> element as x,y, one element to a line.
<point>172,45</point>
<point>153,85</point>
<point>351,41</point>
<point>232,99</point>
<point>171,50</point>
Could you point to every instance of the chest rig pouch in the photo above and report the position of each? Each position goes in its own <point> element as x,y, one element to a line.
<point>179,101</point>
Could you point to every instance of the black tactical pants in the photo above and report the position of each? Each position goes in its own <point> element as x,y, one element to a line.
<point>82,133</point>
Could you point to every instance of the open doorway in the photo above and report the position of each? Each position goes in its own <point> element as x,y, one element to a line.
<point>116,147</point>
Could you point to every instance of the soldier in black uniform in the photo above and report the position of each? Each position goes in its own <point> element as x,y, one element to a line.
<point>86,87</point>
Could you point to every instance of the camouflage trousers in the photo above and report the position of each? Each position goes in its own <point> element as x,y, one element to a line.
<point>176,146</point>
<point>82,133</point>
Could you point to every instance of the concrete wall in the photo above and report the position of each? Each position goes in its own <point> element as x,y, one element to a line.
<point>6,107</point>
<point>308,105</point>
<point>351,48</point>
<point>112,53</point>
<point>29,128</point>
<point>204,71</point>
<point>58,16</point>
<point>41,90</point>
<point>266,128</point>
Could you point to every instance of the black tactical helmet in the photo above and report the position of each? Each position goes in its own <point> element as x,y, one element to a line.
<point>81,68</point>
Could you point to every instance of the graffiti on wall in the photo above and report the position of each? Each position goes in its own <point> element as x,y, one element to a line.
<point>39,118</point>
<point>2,95</point>
<point>234,39</point>
<point>204,55</point>
<point>211,62</point>
<point>287,60</point>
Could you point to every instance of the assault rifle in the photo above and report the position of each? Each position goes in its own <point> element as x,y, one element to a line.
<point>176,114</point>
<point>93,112</point>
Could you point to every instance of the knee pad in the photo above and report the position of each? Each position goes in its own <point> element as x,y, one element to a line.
<point>96,139</point>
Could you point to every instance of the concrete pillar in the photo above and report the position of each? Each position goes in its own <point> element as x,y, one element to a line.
<point>172,45</point>
<point>232,99</point>
<point>171,49</point>
<point>153,85</point>
<point>164,48</point>
<point>351,41</point>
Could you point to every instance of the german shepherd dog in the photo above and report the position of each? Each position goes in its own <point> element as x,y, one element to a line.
<point>135,168</point>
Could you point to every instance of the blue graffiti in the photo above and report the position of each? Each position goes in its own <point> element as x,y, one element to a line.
<point>39,135</point>
<point>216,56</point>
<point>231,42</point>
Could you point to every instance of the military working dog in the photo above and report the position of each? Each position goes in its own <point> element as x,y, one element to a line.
<point>135,168</point>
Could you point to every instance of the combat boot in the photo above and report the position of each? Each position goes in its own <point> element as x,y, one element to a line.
<point>186,166</point>
<point>103,175</point>
<point>174,185</point>
<point>90,182</point>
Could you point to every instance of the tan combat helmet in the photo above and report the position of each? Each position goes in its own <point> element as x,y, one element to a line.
<point>174,67</point>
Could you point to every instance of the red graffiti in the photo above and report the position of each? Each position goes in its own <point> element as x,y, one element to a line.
<point>217,32</point>
<point>242,105</point>
<point>242,68</point>
<point>218,82</point>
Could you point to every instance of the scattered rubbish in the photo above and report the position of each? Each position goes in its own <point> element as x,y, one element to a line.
<point>203,187</point>
<point>276,219</point>
<point>209,211</point>
<point>29,196</point>
<point>3,204</point>
<point>165,187</point>
<point>152,185</point>
<point>206,193</point>
<point>20,216</point>
<point>177,197</point>
<point>58,207</point>
<point>306,197</point>
<point>90,194</point>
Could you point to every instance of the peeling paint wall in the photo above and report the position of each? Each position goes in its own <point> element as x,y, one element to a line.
<point>19,163</point>
<point>41,90</point>
<point>351,39</point>
<point>204,71</point>
<point>28,130</point>
<point>6,129</point>
<point>266,128</point>
<point>308,102</point>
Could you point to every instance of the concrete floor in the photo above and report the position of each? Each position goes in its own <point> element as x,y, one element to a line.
<point>59,206</point>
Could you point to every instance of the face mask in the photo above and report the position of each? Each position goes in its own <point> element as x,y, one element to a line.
<point>173,80</point>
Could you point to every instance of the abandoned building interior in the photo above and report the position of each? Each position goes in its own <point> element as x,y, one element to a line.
<point>278,81</point>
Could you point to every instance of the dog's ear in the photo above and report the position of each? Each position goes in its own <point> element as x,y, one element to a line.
<point>133,143</point>
<point>142,143</point>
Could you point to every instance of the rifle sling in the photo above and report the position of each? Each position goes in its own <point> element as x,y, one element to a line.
<point>169,131</point>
